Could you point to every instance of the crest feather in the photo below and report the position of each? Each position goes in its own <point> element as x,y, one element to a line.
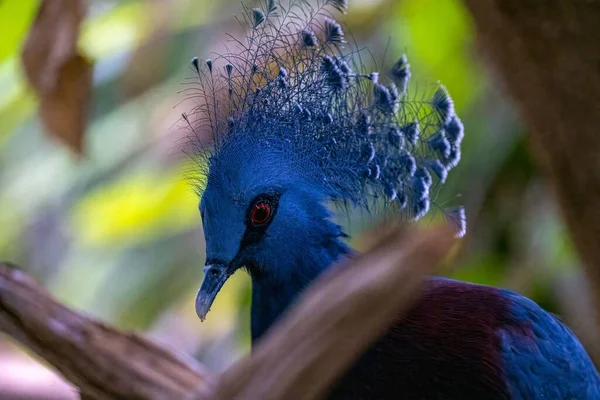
<point>361,133</point>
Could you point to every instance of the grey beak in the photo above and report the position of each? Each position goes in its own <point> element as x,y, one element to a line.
<point>215,276</point>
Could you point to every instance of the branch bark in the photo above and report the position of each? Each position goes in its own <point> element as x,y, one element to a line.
<point>101,361</point>
<point>316,341</point>
<point>547,54</point>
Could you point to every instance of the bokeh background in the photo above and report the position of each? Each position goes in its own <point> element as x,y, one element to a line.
<point>115,232</point>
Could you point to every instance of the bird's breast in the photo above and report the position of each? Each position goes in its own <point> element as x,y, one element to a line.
<point>446,347</point>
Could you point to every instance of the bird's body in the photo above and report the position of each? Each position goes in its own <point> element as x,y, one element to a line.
<point>459,341</point>
<point>465,341</point>
<point>296,129</point>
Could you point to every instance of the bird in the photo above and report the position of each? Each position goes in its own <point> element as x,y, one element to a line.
<point>300,128</point>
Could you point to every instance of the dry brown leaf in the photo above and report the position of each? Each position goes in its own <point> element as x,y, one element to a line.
<point>64,110</point>
<point>58,73</point>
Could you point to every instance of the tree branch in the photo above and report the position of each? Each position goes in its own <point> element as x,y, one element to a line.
<point>331,325</point>
<point>547,53</point>
<point>101,361</point>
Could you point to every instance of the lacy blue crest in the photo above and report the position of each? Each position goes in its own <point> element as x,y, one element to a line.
<point>296,80</point>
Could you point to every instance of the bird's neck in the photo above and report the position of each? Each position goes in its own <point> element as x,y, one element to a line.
<point>272,295</point>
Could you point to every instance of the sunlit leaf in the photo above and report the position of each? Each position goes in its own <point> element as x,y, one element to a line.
<point>119,29</point>
<point>438,36</point>
<point>15,18</point>
<point>137,208</point>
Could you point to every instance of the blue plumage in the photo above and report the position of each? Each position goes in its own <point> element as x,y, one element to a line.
<point>291,85</point>
<point>297,126</point>
<point>464,341</point>
<point>545,360</point>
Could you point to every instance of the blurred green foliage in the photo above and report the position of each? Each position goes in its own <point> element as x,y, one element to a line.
<point>117,233</point>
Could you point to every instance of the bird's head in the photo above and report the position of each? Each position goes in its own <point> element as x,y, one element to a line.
<point>261,212</point>
<point>295,124</point>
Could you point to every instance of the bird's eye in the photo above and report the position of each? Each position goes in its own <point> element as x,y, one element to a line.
<point>261,212</point>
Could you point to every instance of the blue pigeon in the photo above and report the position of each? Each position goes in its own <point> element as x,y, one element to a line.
<point>299,128</point>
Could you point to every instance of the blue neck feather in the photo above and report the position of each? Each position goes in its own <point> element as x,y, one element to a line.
<point>271,295</point>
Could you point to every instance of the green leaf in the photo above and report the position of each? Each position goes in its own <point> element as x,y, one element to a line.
<point>15,19</point>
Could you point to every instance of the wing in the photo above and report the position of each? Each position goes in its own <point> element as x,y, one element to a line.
<point>543,358</point>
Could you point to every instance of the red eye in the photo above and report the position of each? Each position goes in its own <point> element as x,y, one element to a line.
<point>261,213</point>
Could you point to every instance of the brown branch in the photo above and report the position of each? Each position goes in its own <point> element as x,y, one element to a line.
<point>336,319</point>
<point>101,361</point>
<point>547,53</point>
<point>331,325</point>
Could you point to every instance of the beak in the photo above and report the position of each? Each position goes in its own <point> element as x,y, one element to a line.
<point>215,276</point>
